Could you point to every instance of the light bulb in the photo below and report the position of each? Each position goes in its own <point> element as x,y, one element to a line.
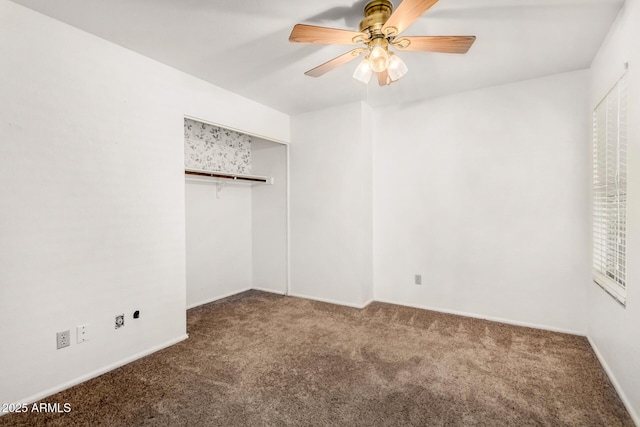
<point>379,59</point>
<point>397,68</point>
<point>363,72</point>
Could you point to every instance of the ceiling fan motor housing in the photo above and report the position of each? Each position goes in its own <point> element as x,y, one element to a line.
<point>376,13</point>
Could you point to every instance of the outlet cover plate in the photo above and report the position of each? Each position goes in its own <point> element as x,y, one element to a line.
<point>82,333</point>
<point>63,339</point>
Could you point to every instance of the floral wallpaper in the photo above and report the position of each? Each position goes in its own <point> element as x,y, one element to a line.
<point>212,148</point>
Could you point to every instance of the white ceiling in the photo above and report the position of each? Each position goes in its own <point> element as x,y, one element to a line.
<point>242,45</point>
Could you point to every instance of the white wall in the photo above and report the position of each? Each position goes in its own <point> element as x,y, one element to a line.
<point>218,241</point>
<point>269,217</point>
<point>486,195</point>
<point>329,185</point>
<point>366,188</point>
<point>92,198</point>
<point>614,330</point>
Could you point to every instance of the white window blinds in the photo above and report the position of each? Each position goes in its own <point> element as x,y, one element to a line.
<point>610,192</point>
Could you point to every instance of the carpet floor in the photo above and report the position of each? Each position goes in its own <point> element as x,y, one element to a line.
<point>258,359</point>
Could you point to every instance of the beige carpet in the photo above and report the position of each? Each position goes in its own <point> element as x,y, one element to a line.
<point>261,359</point>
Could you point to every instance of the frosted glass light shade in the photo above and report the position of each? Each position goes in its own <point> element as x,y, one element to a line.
<point>363,72</point>
<point>379,59</point>
<point>397,68</point>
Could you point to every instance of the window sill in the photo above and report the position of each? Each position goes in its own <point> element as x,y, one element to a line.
<point>610,287</point>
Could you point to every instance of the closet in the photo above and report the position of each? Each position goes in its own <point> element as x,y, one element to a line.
<point>235,212</point>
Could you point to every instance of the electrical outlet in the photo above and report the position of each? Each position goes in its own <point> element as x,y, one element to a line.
<point>418,279</point>
<point>119,320</point>
<point>63,339</point>
<point>82,333</point>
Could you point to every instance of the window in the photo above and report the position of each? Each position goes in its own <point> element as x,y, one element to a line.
<point>610,192</point>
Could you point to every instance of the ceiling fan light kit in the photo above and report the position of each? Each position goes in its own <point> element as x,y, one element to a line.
<point>379,30</point>
<point>397,68</point>
<point>379,56</point>
<point>363,72</point>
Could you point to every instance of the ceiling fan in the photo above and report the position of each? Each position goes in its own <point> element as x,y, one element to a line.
<point>379,31</point>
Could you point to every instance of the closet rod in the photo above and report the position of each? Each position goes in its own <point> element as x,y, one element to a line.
<point>227,176</point>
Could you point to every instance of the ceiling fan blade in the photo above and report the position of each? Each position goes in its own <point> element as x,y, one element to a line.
<point>302,33</point>
<point>383,78</point>
<point>443,44</point>
<point>405,15</point>
<point>335,62</point>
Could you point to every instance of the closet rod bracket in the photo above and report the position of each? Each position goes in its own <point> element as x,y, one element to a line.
<point>219,187</point>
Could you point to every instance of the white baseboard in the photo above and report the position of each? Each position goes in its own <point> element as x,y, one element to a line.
<point>53,390</point>
<point>219,297</point>
<point>271,291</point>
<point>627,404</point>
<point>230,294</point>
<point>491,318</point>
<point>330,301</point>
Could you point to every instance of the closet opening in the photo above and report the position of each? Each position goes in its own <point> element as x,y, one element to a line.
<point>236,213</point>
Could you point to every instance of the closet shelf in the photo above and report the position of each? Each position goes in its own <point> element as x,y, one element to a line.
<point>217,176</point>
